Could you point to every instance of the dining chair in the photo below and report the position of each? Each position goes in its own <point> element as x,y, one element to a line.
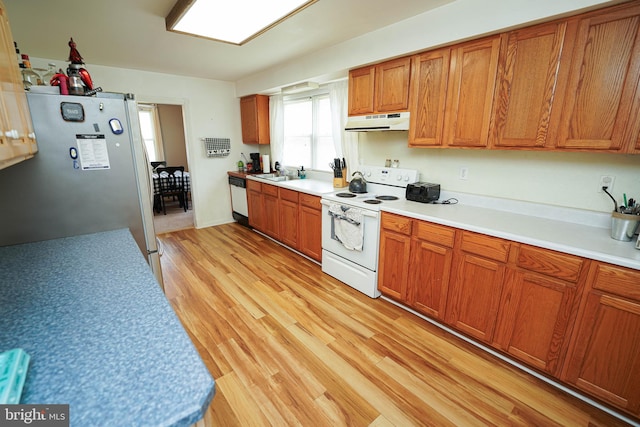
<point>155,165</point>
<point>172,184</point>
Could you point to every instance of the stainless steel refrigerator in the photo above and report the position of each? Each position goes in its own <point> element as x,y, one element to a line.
<point>90,174</point>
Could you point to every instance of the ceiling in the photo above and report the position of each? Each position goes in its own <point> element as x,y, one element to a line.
<point>132,34</point>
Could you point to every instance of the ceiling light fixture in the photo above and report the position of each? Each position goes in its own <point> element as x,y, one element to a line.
<point>235,21</point>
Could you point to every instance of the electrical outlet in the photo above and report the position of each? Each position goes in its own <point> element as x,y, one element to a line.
<point>606,181</point>
<point>464,173</point>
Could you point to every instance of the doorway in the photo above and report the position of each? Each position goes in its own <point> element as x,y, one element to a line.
<point>163,133</point>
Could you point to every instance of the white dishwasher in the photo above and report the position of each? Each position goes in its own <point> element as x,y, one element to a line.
<point>240,210</point>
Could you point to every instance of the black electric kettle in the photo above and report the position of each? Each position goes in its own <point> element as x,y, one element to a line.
<point>358,184</point>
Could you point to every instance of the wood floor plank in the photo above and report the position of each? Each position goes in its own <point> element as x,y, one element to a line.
<point>290,345</point>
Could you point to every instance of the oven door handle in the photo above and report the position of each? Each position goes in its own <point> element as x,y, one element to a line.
<point>364,212</point>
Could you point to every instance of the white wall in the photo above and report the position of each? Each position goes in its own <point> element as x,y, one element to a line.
<point>560,179</point>
<point>210,108</point>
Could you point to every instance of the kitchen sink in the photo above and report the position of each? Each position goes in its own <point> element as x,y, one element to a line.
<point>273,177</point>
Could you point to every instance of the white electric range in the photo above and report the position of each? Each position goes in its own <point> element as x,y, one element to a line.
<point>351,226</point>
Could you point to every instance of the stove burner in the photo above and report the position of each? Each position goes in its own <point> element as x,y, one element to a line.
<point>373,201</point>
<point>347,195</point>
<point>386,198</point>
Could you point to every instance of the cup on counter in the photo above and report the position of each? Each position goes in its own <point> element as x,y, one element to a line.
<point>624,226</point>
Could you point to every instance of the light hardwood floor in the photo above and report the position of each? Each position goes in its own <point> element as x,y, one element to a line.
<point>289,345</point>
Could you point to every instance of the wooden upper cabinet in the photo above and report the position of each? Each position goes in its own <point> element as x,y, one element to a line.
<point>526,83</point>
<point>361,89</point>
<point>470,89</point>
<point>429,75</point>
<point>380,88</point>
<point>254,115</point>
<point>17,139</point>
<point>600,90</point>
<point>392,85</point>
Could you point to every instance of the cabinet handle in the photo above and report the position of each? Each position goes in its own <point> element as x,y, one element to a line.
<point>32,135</point>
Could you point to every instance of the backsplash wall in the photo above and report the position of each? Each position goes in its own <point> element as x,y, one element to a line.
<point>567,179</point>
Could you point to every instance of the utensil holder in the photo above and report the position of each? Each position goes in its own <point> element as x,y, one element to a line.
<point>624,226</point>
<point>342,181</point>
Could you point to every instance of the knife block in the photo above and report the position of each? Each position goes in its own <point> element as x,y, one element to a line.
<point>340,182</point>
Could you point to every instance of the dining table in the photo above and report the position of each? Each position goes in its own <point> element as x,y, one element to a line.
<point>157,178</point>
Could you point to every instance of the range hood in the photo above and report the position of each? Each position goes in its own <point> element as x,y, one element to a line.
<point>378,122</point>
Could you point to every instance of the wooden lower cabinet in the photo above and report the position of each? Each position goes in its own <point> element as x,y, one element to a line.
<point>288,217</point>
<point>477,280</point>
<point>604,359</point>
<point>271,211</point>
<point>310,226</point>
<point>415,261</point>
<point>573,319</point>
<point>538,306</point>
<point>395,249</point>
<point>255,205</point>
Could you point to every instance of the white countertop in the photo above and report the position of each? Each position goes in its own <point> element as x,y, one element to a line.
<point>573,231</point>
<point>578,232</point>
<point>314,187</point>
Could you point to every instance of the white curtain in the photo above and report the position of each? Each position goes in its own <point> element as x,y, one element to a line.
<point>346,143</point>
<point>276,128</point>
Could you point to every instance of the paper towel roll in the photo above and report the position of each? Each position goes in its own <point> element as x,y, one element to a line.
<point>265,164</point>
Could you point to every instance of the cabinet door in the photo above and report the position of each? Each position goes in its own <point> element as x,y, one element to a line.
<point>606,357</point>
<point>361,89</point>
<point>310,240</point>
<point>472,76</point>
<point>255,206</point>
<point>526,82</point>
<point>271,211</point>
<point>254,116</point>
<point>429,277</point>
<point>474,295</point>
<point>604,72</point>
<point>393,265</point>
<point>17,140</point>
<point>289,217</point>
<point>392,85</point>
<point>429,73</point>
<point>476,284</point>
<point>535,315</point>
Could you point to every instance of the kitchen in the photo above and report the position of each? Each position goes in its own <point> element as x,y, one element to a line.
<point>211,107</point>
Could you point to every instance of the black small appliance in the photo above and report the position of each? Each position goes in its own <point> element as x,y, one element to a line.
<point>423,192</point>
<point>255,159</point>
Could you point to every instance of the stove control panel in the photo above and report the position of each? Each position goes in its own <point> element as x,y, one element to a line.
<point>391,176</point>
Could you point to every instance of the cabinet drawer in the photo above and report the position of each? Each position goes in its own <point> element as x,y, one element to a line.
<point>270,190</point>
<point>289,195</point>
<point>554,264</point>
<point>485,246</point>
<point>617,280</point>
<point>254,185</point>
<point>310,201</point>
<point>396,223</point>
<point>434,233</point>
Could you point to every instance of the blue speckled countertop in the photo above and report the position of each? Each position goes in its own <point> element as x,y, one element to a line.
<point>101,335</point>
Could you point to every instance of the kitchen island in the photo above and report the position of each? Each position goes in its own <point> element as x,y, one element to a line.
<point>101,335</point>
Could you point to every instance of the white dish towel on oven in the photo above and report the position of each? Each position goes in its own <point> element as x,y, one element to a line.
<point>347,226</point>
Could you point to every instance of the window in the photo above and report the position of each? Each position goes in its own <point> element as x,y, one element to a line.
<point>308,139</point>
<point>149,128</point>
